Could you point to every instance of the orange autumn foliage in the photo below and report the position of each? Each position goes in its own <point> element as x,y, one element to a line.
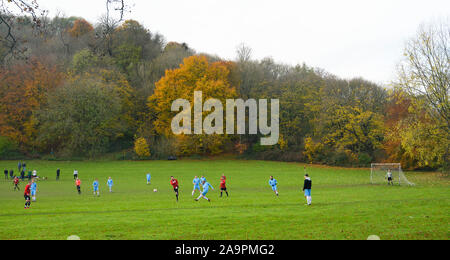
<point>397,109</point>
<point>80,28</point>
<point>23,90</point>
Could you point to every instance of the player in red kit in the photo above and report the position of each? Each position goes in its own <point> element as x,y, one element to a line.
<point>174,183</point>
<point>16,184</point>
<point>223,185</point>
<point>26,195</point>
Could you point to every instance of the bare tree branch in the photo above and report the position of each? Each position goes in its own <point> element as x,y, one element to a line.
<point>10,12</point>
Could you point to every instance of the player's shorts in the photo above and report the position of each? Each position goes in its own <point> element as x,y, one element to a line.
<point>223,188</point>
<point>175,189</point>
<point>205,192</point>
<point>27,197</point>
<point>274,188</point>
<point>196,187</point>
<point>390,179</point>
<point>95,189</point>
<point>308,193</point>
<point>33,193</point>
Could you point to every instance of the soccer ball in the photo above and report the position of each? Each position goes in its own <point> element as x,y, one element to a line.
<point>155,190</point>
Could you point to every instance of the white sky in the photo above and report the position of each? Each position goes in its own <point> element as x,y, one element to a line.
<point>348,38</point>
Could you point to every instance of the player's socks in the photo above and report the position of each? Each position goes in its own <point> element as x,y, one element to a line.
<point>226,193</point>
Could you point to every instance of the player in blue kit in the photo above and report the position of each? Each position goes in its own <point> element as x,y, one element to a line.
<point>110,184</point>
<point>202,179</point>
<point>96,186</point>
<point>196,183</point>
<point>149,179</point>
<point>273,183</point>
<point>206,187</point>
<point>33,189</point>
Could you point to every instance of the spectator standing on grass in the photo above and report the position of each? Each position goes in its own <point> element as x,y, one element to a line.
<point>75,174</point>
<point>11,174</point>
<point>19,166</point>
<point>6,174</point>
<point>307,189</point>
<point>58,172</point>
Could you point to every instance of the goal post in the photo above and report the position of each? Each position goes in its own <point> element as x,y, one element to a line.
<point>378,173</point>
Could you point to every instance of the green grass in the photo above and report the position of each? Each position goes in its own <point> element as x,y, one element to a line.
<point>345,205</point>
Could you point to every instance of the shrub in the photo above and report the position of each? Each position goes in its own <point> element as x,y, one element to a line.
<point>141,147</point>
<point>364,159</point>
<point>8,149</point>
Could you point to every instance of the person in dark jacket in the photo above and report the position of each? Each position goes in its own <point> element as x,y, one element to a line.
<point>11,174</point>
<point>6,174</point>
<point>307,189</point>
<point>58,172</point>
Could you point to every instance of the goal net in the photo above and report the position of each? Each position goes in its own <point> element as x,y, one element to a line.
<point>379,174</point>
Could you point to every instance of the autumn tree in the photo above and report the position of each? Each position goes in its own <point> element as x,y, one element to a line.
<point>80,28</point>
<point>425,70</point>
<point>10,42</point>
<point>141,147</point>
<point>82,118</point>
<point>195,74</point>
<point>23,90</point>
<point>424,74</point>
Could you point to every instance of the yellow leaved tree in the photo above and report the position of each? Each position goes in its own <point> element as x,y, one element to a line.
<point>195,74</point>
<point>141,147</point>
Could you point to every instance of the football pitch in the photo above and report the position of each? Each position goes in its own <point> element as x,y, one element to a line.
<point>345,205</point>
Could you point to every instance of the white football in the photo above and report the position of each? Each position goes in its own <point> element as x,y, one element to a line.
<point>155,190</point>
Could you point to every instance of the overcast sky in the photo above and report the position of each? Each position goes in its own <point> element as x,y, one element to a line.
<point>348,38</point>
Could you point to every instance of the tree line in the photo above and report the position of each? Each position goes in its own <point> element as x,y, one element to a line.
<point>85,90</point>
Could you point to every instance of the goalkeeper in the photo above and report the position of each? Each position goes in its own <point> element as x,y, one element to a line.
<point>389,177</point>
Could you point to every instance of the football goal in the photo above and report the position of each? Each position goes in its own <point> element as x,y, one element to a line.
<point>379,174</point>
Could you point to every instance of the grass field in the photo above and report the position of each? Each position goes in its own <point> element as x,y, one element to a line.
<point>345,206</point>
